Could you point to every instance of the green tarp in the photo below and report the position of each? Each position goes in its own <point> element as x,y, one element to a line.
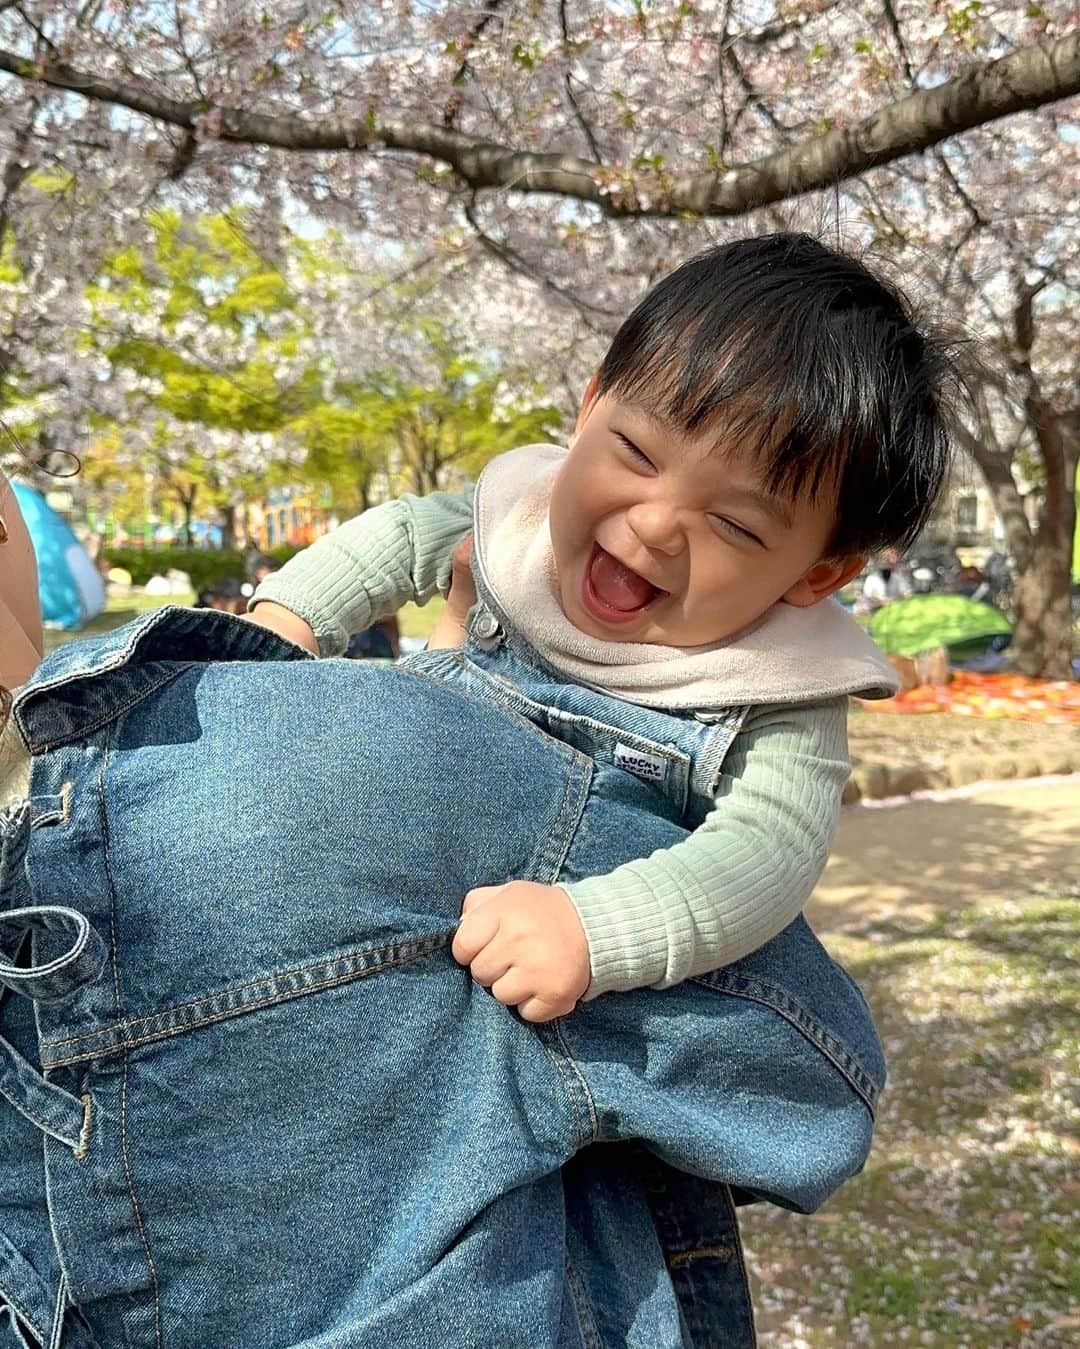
<point>922,622</point>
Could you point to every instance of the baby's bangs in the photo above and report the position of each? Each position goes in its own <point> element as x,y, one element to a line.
<point>753,393</point>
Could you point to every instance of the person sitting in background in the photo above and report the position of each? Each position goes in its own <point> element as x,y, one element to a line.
<point>381,641</point>
<point>226,595</point>
<point>259,567</point>
<point>889,580</point>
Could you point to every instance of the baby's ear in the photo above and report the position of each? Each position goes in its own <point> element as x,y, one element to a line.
<point>587,401</point>
<point>823,579</point>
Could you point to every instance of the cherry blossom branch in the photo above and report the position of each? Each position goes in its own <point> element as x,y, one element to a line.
<point>568,85</point>
<point>509,257</point>
<point>18,167</point>
<point>1026,79</point>
<point>465,46</point>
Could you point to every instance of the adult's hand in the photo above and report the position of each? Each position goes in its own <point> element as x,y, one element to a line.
<point>21,642</point>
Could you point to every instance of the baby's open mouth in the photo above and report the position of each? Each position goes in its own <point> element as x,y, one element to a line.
<point>613,592</point>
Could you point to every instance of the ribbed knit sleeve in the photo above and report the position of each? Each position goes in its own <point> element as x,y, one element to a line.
<point>743,875</point>
<point>372,565</point>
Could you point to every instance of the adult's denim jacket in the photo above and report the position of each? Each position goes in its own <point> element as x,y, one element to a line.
<point>247,1097</point>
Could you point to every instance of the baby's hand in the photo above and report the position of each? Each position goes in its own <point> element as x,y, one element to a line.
<point>525,942</point>
<point>450,629</point>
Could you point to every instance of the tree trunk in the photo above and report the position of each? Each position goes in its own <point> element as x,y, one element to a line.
<point>187,503</point>
<point>228,526</point>
<point>1042,640</point>
<point>1042,601</point>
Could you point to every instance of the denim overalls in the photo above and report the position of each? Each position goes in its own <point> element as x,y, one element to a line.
<point>247,1098</point>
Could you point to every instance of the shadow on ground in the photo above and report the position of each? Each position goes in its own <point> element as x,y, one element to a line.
<point>912,862</point>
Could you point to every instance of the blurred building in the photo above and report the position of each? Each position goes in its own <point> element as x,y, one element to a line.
<point>287,515</point>
<point>973,520</point>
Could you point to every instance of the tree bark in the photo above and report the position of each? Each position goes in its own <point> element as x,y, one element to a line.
<point>1042,639</point>
<point>1042,598</point>
<point>187,504</point>
<point>1008,503</point>
<point>228,526</point>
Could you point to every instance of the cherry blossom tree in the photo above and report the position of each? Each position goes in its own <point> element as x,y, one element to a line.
<point>536,163</point>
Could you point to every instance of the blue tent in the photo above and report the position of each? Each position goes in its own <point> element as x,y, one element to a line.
<point>70,587</point>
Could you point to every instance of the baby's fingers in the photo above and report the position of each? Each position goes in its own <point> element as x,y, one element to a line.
<point>490,964</point>
<point>474,932</point>
<point>540,1009</point>
<point>512,988</point>
<point>479,895</point>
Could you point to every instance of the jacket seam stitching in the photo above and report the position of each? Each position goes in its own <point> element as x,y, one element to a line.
<point>583,1311</point>
<point>136,1211</point>
<point>423,946</point>
<point>564,1059</point>
<point>557,844</point>
<point>798,1016</point>
<point>124,1150</point>
<point>120,1043</point>
<point>584,776</point>
<point>510,693</point>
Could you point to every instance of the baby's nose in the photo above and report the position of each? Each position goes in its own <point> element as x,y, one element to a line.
<point>658,526</point>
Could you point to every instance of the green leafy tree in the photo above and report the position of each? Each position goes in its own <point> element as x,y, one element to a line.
<point>207,338</point>
<point>425,423</point>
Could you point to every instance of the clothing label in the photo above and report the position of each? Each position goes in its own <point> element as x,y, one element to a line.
<point>651,767</point>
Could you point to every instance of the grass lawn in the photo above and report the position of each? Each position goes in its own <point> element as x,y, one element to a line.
<point>119,609</point>
<point>416,622</point>
<point>961,1231</point>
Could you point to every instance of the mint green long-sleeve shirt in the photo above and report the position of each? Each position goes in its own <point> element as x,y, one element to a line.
<point>731,885</point>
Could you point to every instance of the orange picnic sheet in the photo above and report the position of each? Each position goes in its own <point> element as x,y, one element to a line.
<point>992,695</point>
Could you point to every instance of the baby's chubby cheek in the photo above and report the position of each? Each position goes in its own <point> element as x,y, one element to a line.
<point>563,527</point>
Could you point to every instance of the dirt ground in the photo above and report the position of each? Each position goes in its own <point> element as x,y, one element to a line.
<point>927,857</point>
<point>932,739</point>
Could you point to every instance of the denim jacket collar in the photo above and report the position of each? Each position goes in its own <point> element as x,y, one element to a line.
<point>73,692</point>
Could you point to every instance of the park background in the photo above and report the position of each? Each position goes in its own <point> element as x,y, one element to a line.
<point>262,266</point>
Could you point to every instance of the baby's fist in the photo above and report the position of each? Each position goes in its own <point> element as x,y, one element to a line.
<point>525,942</point>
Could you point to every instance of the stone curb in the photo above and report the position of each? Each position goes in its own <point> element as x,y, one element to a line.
<point>872,781</point>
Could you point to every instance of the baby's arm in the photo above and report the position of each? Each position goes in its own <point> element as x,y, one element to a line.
<point>365,570</point>
<point>728,888</point>
<point>743,875</point>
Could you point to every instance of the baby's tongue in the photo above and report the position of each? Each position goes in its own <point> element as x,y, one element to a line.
<point>617,586</point>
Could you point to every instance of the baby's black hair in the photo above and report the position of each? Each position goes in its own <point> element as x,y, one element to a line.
<point>805,357</point>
